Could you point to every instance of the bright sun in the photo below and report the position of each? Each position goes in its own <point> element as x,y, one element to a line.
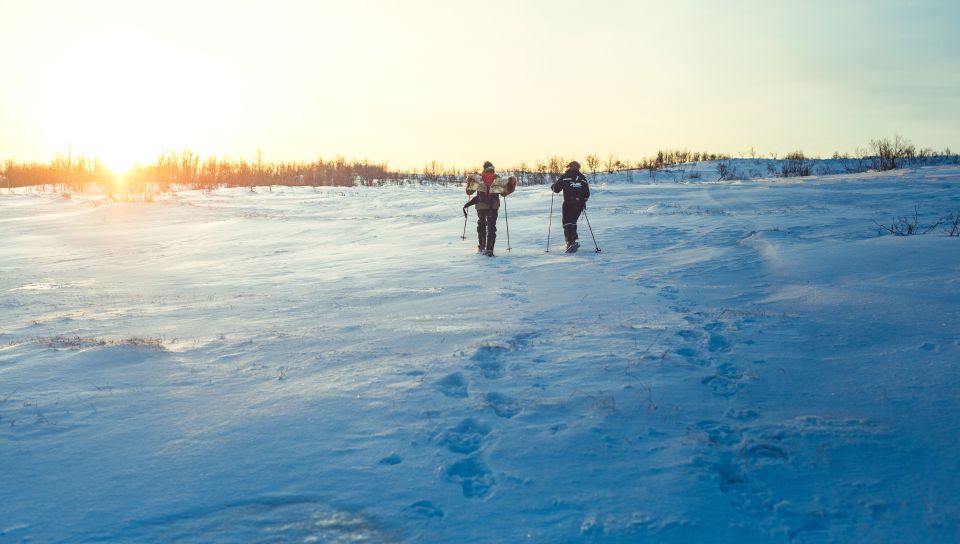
<point>125,101</point>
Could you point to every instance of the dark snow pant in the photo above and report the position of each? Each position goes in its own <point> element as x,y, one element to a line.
<point>486,229</point>
<point>571,212</point>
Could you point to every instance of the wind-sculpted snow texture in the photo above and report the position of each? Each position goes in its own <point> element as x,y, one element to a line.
<point>744,362</point>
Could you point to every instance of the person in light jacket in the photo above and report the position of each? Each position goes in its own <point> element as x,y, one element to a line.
<point>488,187</point>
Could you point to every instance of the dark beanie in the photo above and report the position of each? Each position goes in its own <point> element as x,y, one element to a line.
<point>487,164</point>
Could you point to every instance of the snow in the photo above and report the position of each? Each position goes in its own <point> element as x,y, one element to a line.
<point>743,361</point>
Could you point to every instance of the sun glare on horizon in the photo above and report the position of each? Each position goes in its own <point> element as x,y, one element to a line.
<point>124,101</point>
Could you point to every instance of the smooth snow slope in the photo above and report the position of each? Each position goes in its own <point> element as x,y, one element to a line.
<point>743,362</point>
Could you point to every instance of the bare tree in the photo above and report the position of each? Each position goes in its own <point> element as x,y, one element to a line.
<point>611,163</point>
<point>556,165</point>
<point>891,153</point>
<point>593,163</point>
<point>861,154</point>
<point>433,171</point>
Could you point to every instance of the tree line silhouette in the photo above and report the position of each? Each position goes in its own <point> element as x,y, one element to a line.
<point>186,169</point>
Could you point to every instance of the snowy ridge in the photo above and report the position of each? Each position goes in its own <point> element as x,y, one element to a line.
<point>744,361</point>
<point>769,170</point>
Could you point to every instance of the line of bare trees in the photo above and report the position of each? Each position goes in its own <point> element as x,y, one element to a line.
<point>66,170</point>
<point>542,171</point>
<point>186,169</point>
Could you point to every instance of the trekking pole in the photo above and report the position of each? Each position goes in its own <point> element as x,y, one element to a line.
<point>464,235</point>
<point>591,229</point>
<point>550,222</point>
<point>506,218</point>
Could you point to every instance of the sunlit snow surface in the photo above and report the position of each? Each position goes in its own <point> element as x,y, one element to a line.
<point>744,361</point>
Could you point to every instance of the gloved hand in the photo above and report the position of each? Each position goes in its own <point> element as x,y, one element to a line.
<point>464,211</point>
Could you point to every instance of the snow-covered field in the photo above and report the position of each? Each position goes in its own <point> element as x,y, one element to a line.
<point>743,362</point>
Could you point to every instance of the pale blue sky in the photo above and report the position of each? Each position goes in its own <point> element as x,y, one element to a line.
<point>462,82</point>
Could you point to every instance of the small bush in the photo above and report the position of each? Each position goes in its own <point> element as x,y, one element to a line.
<point>953,224</point>
<point>892,152</point>
<point>909,225</point>
<point>79,342</point>
<point>725,171</point>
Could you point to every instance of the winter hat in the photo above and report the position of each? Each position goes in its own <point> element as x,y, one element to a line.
<point>487,164</point>
<point>574,165</point>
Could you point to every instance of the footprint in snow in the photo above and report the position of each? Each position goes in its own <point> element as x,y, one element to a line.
<point>743,415</point>
<point>725,387</point>
<point>426,509</point>
<point>734,470</point>
<point>748,465</point>
<point>491,370</point>
<point>488,352</point>
<point>713,326</point>
<point>453,385</point>
<point>718,434</point>
<point>466,437</point>
<point>488,360</point>
<point>502,405</point>
<point>687,352</point>
<point>730,371</point>
<point>695,318</point>
<point>392,459</point>
<point>763,452</point>
<point>726,379</point>
<point>718,343</point>
<point>473,476</point>
<point>669,292</point>
<point>737,459</point>
<point>691,355</point>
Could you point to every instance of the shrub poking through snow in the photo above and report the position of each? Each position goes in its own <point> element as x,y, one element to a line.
<point>953,224</point>
<point>909,225</point>
<point>79,342</point>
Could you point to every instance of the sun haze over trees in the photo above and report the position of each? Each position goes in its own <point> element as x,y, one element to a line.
<point>187,169</point>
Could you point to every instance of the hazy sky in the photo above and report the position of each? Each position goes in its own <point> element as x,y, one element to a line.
<point>460,82</point>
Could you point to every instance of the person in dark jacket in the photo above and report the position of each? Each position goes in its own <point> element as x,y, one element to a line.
<point>576,192</point>
<point>488,187</point>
